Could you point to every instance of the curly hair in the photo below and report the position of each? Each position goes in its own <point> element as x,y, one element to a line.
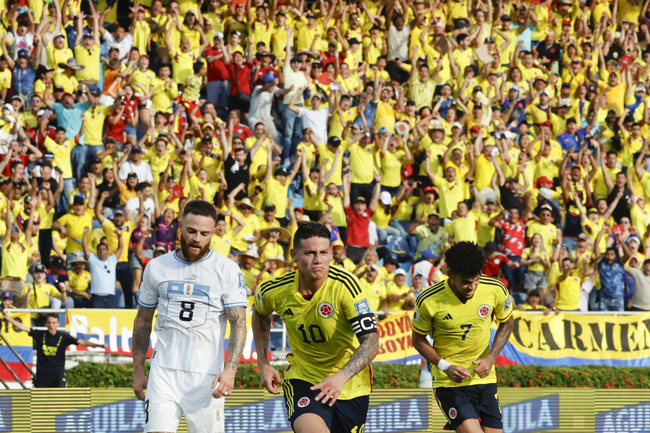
<point>465,259</point>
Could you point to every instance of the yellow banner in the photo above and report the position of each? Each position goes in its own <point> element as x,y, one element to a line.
<point>395,341</point>
<point>15,336</point>
<point>576,339</point>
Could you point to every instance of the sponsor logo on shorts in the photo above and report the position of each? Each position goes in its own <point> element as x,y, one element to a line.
<point>453,413</point>
<point>484,311</point>
<point>326,310</point>
<point>303,402</point>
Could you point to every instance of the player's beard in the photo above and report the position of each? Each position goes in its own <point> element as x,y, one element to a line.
<point>188,254</point>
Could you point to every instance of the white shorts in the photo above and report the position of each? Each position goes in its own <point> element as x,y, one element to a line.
<point>172,393</point>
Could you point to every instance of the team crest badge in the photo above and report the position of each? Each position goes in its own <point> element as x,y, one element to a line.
<point>453,413</point>
<point>484,311</point>
<point>325,310</point>
<point>188,289</point>
<point>303,402</point>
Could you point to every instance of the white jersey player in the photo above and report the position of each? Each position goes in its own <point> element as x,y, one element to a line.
<point>194,290</point>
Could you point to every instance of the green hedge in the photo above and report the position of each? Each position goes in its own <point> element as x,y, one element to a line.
<point>94,375</point>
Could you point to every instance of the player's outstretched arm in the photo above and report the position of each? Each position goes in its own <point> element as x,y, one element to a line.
<point>332,386</point>
<point>456,373</point>
<point>269,376</point>
<point>500,340</point>
<point>141,335</point>
<point>226,379</point>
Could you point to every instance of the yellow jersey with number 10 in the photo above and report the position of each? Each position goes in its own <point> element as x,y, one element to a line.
<point>461,329</point>
<point>321,330</point>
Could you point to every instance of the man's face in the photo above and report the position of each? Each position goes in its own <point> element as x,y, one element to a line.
<point>513,216</point>
<point>338,253</point>
<point>196,232</point>
<point>52,323</point>
<point>545,216</point>
<point>463,286</point>
<point>533,301</point>
<point>78,209</point>
<point>269,214</point>
<point>611,161</point>
<point>60,136</point>
<point>313,257</point>
<point>371,275</point>
<point>221,227</point>
<point>360,207</point>
<point>610,256</point>
<point>118,220</point>
<point>434,223</point>
<point>102,251</point>
<point>84,184</point>
<point>68,101</point>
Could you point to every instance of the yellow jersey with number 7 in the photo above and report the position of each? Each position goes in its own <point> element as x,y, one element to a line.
<point>461,327</point>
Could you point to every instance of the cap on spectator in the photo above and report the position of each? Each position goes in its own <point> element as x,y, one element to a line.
<point>509,134</point>
<point>592,210</point>
<point>72,64</point>
<point>96,161</point>
<point>59,89</point>
<point>132,175</point>
<point>296,59</point>
<point>316,63</point>
<point>634,238</point>
<point>489,40</point>
<point>373,266</point>
<point>304,219</point>
<point>334,141</point>
<point>78,199</point>
<point>440,24</point>
<point>6,295</point>
<point>547,124</point>
<point>318,95</point>
<point>56,262</point>
<point>281,172</point>
<point>265,54</point>
<point>268,78</point>
<point>564,102</point>
<point>545,92</point>
<point>15,229</point>
<point>338,243</point>
<point>385,198</point>
<point>23,54</point>
<point>251,253</point>
<point>512,179</point>
<point>119,211</point>
<point>237,32</point>
<point>311,15</point>
<point>490,248</point>
<point>246,202</point>
<point>407,171</point>
<point>390,260</point>
<point>428,189</point>
<point>39,268</point>
<point>566,85</point>
<point>136,149</point>
<point>490,200</point>
<point>475,128</point>
<point>582,237</point>
<point>399,271</point>
<point>190,12</point>
<point>505,17</point>
<point>477,89</point>
<point>360,199</point>
<point>478,105</point>
<point>59,36</point>
<point>269,206</point>
<point>547,207</point>
<point>218,35</point>
<point>543,179</point>
<point>640,88</point>
<point>78,259</point>
<point>428,254</point>
<point>513,87</point>
<point>423,58</point>
<point>160,249</point>
<point>546,193</point>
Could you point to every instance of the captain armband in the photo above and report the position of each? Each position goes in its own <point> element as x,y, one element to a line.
<point>364,324</point>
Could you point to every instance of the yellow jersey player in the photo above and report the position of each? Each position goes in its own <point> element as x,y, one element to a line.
<point>459,313</point>
<point>333,336</point>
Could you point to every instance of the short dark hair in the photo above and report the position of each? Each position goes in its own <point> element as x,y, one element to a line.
<point>533,293</point>
<point>197,67</point>
<point>56,316</point>
<point>201,208</point>
<point>310,230</point>
<point>465,259</point>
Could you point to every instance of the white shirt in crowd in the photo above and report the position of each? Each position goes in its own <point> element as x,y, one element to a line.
<point>143,170</point>
<point>316,120</point>
<point>133,205</point>
<point>103,275</point>
<point>192,299</point>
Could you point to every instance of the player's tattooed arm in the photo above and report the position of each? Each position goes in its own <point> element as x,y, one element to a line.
<point>502,336</point>
<point>363,356</point>
<point>261,334</point>
<point>141,335</point>
<point>237,318</point>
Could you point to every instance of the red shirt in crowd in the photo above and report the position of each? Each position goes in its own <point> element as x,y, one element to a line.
<point>513,237</point>
<point>22,158</point>
<point>358,227</point>
<point>217,70</point>
<point>493,266</point>
<point>240,79</point>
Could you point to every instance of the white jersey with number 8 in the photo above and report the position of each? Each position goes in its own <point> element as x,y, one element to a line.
<point>191,300</point>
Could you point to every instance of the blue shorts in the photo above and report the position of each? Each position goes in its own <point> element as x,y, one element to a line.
<point>344,417</point>
<point>470,402</point>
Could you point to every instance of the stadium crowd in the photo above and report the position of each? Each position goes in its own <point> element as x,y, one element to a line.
<point>404,126</point>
